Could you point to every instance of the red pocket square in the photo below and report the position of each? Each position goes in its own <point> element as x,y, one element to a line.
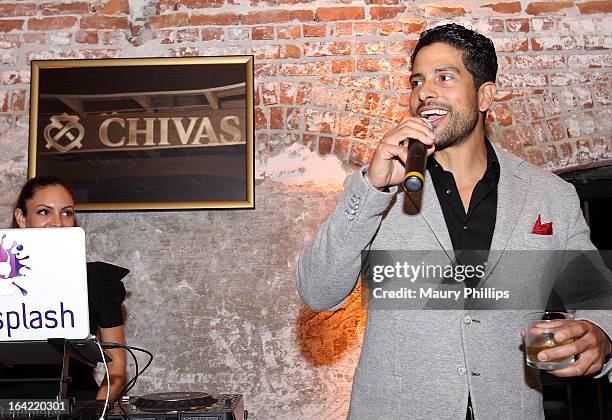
<point>540,228</point>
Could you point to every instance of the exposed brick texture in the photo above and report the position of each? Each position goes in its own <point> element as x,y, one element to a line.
<point>337,75</point>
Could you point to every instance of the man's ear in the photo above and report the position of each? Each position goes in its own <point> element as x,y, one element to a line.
<point>486,96</point>
<point>20,218</point>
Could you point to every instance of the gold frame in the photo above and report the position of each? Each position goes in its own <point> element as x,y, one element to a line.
<point>246,60</point>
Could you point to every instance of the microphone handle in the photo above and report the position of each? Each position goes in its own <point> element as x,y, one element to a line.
<point>415,166</point>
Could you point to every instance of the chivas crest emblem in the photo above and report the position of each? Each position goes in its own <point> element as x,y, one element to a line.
<point>64,127</point>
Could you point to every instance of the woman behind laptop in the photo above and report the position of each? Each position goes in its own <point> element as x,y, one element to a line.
<point>46,201</point>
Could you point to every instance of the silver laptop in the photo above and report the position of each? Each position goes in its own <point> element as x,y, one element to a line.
<point>43,284</point>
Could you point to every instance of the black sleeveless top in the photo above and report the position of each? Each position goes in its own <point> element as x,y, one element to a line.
<point>105,294</point>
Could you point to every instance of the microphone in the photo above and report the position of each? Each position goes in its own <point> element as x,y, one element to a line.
<point>415,165</point>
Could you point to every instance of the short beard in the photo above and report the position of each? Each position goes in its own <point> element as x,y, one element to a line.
<point>459,130</point>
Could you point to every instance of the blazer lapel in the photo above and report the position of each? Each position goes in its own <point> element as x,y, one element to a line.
<point>511,195</point>
<point>432,213</point>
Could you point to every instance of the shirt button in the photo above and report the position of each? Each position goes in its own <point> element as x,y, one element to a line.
<point>448,191</point>
<point>467,319</point>
<point>461,371</point>
<point>465,228</point>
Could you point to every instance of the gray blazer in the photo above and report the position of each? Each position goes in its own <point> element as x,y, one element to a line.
<point>423,364</point>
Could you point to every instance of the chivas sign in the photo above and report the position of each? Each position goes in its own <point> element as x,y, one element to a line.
<point>70,133</point>
<point>146,133</point>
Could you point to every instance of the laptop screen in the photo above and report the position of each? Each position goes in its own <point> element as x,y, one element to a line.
<point>43,284</point>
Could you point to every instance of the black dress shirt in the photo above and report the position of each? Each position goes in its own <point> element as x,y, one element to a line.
<point>470,232</point>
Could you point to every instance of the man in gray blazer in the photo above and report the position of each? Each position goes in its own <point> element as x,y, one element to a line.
<point>440,364</point>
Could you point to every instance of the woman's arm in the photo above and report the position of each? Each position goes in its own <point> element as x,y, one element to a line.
<point>117,367</point>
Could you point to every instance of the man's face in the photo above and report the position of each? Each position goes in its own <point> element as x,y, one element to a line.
<point>443,92</point>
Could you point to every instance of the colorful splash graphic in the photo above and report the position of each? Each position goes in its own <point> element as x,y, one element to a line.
<point>12,266</point>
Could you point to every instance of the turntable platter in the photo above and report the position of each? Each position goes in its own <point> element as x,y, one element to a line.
<point>173,401</point>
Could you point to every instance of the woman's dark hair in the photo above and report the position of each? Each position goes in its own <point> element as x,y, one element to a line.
<point>478,51</point>
<point>32,186</point>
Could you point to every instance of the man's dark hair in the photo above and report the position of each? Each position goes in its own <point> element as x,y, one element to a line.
<point>478,51</point>
<point>32,186</point>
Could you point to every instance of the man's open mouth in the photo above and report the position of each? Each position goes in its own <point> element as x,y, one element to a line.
<point>433,115</point>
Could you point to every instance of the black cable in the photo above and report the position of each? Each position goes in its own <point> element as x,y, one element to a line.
<point>130,384</point>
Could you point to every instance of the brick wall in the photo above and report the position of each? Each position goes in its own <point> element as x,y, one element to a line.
<point>332,77</point>
<point>335,76</point>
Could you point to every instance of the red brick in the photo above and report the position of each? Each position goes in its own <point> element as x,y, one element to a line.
<point>52,23</point>
<point>517,25</point>
<point>112,7</point>
<point>4,101</point>
<point>289,51</point>
<point>360,130</point>
<point>261,123</point>
<point>303,15</point>
<point>343,66</point>
<point>35,38</point>
<point>169,20</point>
<point>263,52</point>
<point>9,41</point>
<point>288,92</point>
<point>589,7</point>
<point>446,12</point>
<point>511,44</point>
<point>199,4</point>
<point>361,153</point>
<point>566,150</point>
<point>9,25</point>
<point>17,9</point>
<point>188,35</point>
<point>164,36</point>
<point>262,32</point>
<point>18,98</point>
<point>370,48</point>
<point>414,27</point>
<point>536,157</point>
<point>76,8</point>
<point>505,8</point>
<point>288,32</point>
<point>86,37</point>
<point>503,114</point>
<point>325,145</point>
<point>341,149</point>
<point>539,62</point>
<point>322,49</point>
<point>365,28</point>
<point>166,6</point>
<point>549,7</point>
<point>104,22</point>
<point>225,19</point>
<point>401,47</point>
<point>294,119</point>
<point>384,65</point>
<point>313,31</point>
<point>386,12</point>
<point>380,2</point>
<point>401,82</point>
<point>342,29</point>
<point>339,13</point>
<point>269,16</point>
<point>210,34</point>
<point>310,141</point>
<point>557,129</point>
<point>265,70</point>
<point>268,93</point>
<point>602,94</point>
<point>550,153</point>
<point>276,118</point>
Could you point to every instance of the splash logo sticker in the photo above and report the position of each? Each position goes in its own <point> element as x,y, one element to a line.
<point>43,286</point>
<point>12,267</point>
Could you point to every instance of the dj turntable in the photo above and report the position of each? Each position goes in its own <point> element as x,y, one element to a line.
<point>181,405</point>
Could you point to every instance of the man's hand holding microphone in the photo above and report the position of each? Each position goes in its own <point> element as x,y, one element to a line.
<point>392,163</point>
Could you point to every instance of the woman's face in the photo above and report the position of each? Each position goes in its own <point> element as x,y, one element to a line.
<point>50,206</point>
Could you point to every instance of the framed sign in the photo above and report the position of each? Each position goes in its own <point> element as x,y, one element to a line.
<point>149,133</point>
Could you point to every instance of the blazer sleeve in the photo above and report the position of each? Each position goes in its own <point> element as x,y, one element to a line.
<point>329,266</point>
<point>579,240</point>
